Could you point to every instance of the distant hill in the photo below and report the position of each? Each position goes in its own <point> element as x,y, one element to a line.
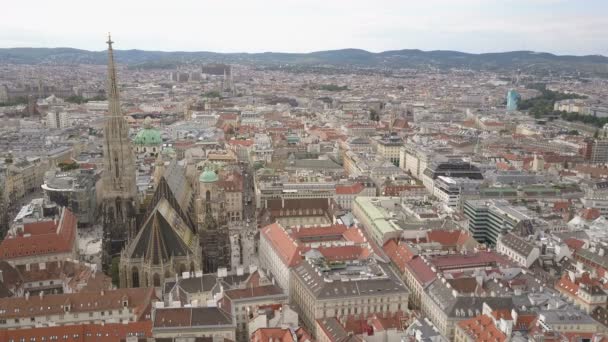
<point>527,61</point>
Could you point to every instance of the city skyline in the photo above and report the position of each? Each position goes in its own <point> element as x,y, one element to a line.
<point>555,26</point>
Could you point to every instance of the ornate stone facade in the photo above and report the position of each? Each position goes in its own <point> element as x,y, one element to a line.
<point>118,207</point>
<point>212,226</point>
<point>166,243</point>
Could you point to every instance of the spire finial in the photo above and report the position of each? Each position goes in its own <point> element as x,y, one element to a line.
<point>110,42</point>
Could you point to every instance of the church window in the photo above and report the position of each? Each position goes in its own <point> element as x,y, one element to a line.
<point>116,167</point>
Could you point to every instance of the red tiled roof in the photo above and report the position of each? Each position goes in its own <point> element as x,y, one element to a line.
<point>109,332</point>
<point>574,244</point>
<point>291,245</point>
<point>561,206</point>
<point>524,322</point>
<point>287,248</point>
<point>341,253</point>
<point>447,238</point>
<point>399,254</point>
<point>482,329</point>
<point>349,189</point>
<point>139,300</point>
<point>355,235</point>
<point>272,334</point>
<point>240,142</point>
<point>421,271</point>
<point>44,240</point>
<point>38,228</point>
<point>590,214</point>
<point>228,116</point>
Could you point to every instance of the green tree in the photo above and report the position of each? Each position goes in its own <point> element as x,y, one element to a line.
<point>211,94</point>
<point>373,115</point>
<point>75,99</point>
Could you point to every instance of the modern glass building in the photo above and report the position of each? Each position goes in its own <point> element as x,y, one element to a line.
<point>488,220</point>
<point>513,98</point>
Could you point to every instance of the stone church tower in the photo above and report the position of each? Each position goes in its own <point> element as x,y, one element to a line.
<point>118,207</point>
<point>212,227</point>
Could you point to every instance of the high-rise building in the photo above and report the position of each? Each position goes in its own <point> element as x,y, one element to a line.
<point>513,98</point>
<point>55,119</point>
<point>119,188</point>
<point>488,220</point>
<point>595,151</point>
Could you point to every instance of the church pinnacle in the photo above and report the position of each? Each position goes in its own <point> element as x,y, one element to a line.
<point>119,205</point>
<point>113,100</point>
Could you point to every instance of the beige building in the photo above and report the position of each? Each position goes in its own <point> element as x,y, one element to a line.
<point>35,245</point>
<point>323,288</point>
<point>242,304</point>
<point>389,147</point>
<point>232,185</point>
<point>116,306</point>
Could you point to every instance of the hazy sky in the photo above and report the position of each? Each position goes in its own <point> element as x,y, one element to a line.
<point>558,26</point>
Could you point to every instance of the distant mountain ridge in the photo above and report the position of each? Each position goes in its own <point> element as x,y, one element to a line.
<point>409,58</point>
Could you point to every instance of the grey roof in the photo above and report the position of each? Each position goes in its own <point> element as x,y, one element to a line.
<point>315,164</point>
<point>424,329</point>
<point>205,283</point>
<point>181,318</point>
<point>565,317</point>
<point>332,327</point>
<point>601,260</point>
<point>463,306</point>
<point>383,282</point>
<point>518,244</point>
<point>577,234</point>
<point>176,179</point>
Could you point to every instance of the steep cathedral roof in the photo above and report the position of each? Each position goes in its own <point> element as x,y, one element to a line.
<point>167,230</point>
<point>164,234</point>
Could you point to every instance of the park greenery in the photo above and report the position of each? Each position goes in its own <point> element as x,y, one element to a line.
<point>329,87</point>
<point>14,102</point>
<point>80,100</point>
<point>211,94</point>
<point>67,166</point>
<point>543,106</point>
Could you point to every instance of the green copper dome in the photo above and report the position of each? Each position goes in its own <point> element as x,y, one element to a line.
<point>208,176</point>
<point>148,135</point>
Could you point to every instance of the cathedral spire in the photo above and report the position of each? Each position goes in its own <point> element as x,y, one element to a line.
<point>113,100</point>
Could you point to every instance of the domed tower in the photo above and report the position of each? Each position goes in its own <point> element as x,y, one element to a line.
<point>210,193</point>
<point>212,228</point>
<point>148,140</point>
